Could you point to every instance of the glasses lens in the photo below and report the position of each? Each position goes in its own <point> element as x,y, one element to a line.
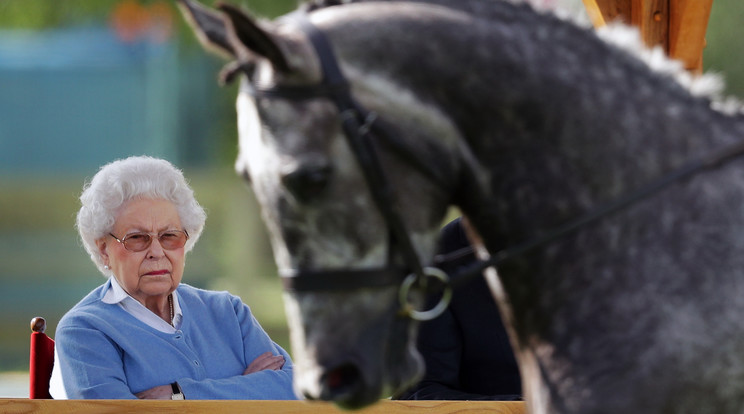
<point>169,240</point>
<point>137,242</point>
<point>172,239</point>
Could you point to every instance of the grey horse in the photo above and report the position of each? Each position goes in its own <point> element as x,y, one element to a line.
<point>525,122</point>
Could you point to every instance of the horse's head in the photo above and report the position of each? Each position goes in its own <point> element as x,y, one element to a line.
<point>352,342</point>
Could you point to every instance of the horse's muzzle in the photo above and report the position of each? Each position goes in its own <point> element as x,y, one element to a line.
<point>346,386</point>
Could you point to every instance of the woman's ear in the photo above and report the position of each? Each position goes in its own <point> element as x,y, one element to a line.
<point>101,244</point>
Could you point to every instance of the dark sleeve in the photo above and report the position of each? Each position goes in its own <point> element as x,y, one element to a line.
<point>441,356</point>
<point>441,346</point>
<point>444,341</point>
<point>452,237</point>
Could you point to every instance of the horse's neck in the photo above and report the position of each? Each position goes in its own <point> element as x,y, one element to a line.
<point>549,111</point>
<point>553,113</point>
<point>546,181</point>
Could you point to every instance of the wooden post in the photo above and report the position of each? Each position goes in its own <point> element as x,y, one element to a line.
<point>687,25</point>
<point>678,26</point>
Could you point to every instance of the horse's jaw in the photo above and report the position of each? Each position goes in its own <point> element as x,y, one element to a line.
<point>340,360</point>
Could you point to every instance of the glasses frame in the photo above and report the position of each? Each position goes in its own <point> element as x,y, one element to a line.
<point>158,235</point>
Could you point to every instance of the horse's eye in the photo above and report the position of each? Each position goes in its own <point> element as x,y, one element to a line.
<point>307,182</point>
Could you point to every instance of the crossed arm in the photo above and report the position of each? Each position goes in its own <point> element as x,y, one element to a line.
<point>265,361</point>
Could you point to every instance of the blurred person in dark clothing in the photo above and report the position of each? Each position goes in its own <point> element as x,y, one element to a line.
<point>467,351</point>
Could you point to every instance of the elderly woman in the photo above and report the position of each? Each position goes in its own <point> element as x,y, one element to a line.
<point>143,333</point>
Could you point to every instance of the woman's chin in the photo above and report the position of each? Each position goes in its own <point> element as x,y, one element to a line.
<point>154,285</point>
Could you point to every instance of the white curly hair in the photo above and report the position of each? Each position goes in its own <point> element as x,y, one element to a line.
<point>138,177</point>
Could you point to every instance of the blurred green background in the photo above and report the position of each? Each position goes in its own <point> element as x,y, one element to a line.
<point>83,82</point>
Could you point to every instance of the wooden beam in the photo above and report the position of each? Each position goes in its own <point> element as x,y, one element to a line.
<point>18,406</point>
<point>688,22</point>
<point>652,17</point>
<point>677,26</point>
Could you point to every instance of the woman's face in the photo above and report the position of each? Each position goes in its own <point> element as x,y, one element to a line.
<point>154,271</point>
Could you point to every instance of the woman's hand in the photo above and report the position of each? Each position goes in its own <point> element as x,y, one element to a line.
<point>161,392</point>
<point>265,361</point>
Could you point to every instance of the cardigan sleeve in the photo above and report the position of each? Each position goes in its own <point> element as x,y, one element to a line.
<point>91,364</point>
<point>262,385</point>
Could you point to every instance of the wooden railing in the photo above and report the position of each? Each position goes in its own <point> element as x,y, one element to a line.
<point>18,406</point>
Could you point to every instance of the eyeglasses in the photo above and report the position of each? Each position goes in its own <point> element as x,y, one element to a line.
<point>169,240</point>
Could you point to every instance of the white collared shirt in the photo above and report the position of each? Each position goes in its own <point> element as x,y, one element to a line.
<point>117,295</point>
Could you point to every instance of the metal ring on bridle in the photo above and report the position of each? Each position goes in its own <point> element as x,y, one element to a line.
<point>437,310</point>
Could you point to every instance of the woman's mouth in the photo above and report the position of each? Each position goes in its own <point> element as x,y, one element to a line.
<point>157,272</point>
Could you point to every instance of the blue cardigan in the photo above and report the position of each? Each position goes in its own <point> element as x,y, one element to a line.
<point>105,352</point>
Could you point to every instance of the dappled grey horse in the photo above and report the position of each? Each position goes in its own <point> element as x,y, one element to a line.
<point>620,181</point>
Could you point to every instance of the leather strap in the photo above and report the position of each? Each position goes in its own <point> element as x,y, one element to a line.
<point>357,124</point>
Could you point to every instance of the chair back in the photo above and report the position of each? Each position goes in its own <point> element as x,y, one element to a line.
<point>41,360</point>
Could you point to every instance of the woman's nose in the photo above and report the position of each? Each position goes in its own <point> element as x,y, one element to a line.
<point>156,249</point>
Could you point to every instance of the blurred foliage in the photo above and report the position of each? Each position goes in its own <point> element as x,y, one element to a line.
<point>44,14</point>
<point>134,20</point>
<point>723,52</point>
<point>120,14</point>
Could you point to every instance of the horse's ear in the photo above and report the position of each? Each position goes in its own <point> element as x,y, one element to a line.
<point>232,33</point>
<point>249,35</point>
<point>209,26</point>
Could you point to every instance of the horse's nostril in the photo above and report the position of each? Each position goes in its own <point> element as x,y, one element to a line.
<point>343,381</point>
<point>307,182</point>
<point>340,376</point>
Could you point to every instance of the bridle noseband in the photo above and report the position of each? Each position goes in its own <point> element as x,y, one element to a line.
<point>358,124</point>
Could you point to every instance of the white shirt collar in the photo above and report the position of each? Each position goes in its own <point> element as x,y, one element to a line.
<point>115,294</point>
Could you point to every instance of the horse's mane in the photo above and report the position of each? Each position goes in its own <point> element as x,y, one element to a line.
<point>624,37</point>
<point>707,85</point>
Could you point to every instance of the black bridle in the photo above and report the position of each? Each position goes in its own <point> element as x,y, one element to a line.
<point>358,125</point>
